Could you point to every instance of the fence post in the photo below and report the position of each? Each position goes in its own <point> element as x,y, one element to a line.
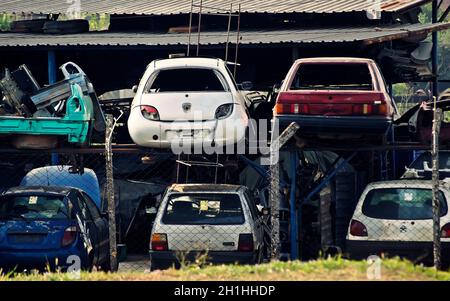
<point>110,193</point>
<point>274,191</point>
<point>435,187</point>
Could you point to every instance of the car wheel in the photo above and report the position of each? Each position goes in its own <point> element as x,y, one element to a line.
<point>259,256</point>
<point>106,266</point>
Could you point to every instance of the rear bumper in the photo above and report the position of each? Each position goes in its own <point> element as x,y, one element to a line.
<point>183,135</point>
<point>315,124</point>
<point>412,250</point>
<point>40,260</point>
<point>167,259</point>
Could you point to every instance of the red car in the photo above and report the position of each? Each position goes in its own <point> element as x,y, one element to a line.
<point>335,98</point>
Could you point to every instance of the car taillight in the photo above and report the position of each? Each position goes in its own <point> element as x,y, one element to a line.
<point>70,234</point>
<point>159,242</point>
<point>283,108</point>
<point>357,228</point>
<point>150,113</point>
<point>245,243</point>
<point>370,109</point>
<point>445,231</point>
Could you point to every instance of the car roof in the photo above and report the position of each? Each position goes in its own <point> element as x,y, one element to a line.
<point>204,188</point>
<point>187,62</point>
<point>59,190</point>
<point>410,183</point>
<point>334,60</point>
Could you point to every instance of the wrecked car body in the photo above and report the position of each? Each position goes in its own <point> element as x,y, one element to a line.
<point>416,123</point>
<point>68,108</point>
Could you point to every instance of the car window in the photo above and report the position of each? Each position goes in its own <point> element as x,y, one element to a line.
<point>204,209</point>
<point>95,213</point>
<point>34,207</point>
<point>186,80</point>
<point>332,76</point>
<point>401,203</point>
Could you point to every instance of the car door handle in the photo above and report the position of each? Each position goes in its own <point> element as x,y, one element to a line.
<point>228,244</point>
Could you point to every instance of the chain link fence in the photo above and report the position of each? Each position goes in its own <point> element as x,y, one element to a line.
<point>408,217</point>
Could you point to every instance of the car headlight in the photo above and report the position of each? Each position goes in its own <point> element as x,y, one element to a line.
<point>150,113</point>
<point>224,111</point>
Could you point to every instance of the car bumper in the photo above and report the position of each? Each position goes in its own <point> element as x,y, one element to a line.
<point>40,260</point>
<point>336,124</point>
<point>167,259</point>
<point>409,249</point>
<point>185,134</point>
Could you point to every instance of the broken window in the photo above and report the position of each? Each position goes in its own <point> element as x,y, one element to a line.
<point>186,80</point>
<point>332,77</point>
<point>402,203</point>
<point>204,209</point>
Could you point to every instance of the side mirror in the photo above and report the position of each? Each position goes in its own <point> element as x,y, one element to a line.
<point>134,89</point>
<point>246,86</point>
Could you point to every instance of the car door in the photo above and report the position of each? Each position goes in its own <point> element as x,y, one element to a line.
<point>257,219</point>
<point>101,227</point>
<point>88,225</point>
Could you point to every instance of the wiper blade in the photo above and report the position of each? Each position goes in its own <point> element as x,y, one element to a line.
<point>14,216</point>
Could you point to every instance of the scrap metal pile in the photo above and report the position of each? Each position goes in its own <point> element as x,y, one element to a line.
<point>36,117</point>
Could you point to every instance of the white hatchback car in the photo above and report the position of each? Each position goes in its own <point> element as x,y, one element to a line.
<point>217,219</point>
<point>187,102</point>
<point>394,218</point>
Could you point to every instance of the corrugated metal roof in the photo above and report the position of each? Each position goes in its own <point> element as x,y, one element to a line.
<point>367,35</point>
<point>170,7</point>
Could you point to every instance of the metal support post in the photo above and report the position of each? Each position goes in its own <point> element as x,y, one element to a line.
<point>274,195</point>
<point>435,180</point>
<point>293,206</point>
<point>110,124</point>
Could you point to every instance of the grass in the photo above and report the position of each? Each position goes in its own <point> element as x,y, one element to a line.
<point>325,269</point>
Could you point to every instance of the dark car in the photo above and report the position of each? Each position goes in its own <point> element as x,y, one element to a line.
<point>43,227</point>
<point>336,98</point>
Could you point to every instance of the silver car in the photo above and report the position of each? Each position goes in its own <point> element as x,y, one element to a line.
<point>218,220</point>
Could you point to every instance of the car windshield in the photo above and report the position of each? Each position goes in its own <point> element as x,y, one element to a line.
<point>444,161</point>
<point>401,204</point>
<point>33,207</point>
<point>204,209</point>
<point>186,80</point>
<point>333,76</point>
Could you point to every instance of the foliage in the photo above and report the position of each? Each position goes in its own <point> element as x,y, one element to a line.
<point>323,269</point>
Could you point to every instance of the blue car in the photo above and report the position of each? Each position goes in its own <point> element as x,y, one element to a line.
<point>41,227</point>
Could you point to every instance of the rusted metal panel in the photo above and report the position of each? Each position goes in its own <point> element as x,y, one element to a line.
<point>366,35</point>
<point>171,7</point>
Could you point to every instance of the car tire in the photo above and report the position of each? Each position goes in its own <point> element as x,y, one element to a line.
<point>28,26</point>
<point>259,256</point>
<point>66,27</point>
<point>106,266</point>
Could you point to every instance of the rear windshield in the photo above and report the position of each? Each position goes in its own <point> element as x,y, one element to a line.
<point>444,161</point>
<point>401,204</point>
<point>200,209</point>
<point>332,77</point>
<point>33,207</point>
<point>186,80</point>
